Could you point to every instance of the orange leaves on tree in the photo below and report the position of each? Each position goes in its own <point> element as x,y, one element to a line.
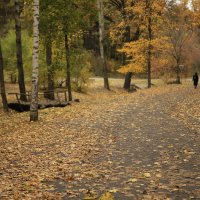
<point>137,54</point>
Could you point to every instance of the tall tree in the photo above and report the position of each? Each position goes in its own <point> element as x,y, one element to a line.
<point>147,17</point>
<point>101,43</point>
<point>68,66</point>
<point>34,93</point>
<point>122,29</point>
<point>5,14</point>
<point>179,30</point>
<point>20,68</point>
<point>50,72</point>
<point>150,37</point>
<point>128,76</point>
<point>65,20</point>
<point>70,16</point>
<point>47,33</point>
<point>2,84</point>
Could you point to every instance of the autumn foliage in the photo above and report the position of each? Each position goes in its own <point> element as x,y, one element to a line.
<point>167,33</point>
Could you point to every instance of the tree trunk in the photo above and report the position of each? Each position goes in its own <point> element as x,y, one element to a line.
<point>101,42</point>
<point>50,73</point>
<point>128,77</point>
<point>21,82</point>
<point>127,81</point>
<point>149,66</point>
<point>2,84</point>
<point>178,77</point>
<point>149,53</point>
<point>68,81</point>
<point>35,71</point>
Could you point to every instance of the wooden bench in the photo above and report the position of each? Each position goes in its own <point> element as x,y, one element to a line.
<point>17,95</point>
<point>58,101</point>
<point>28,95</point>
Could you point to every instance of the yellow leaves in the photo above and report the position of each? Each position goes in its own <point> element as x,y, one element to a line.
<point>158,175</point>
<point>137,54</point>
<point>132,67</point>
<point>16,195</point>
<point>132,180</point>
<point>117,32</point>
<point>196,13</point>
<point>78,147</point>
<point>139,8</point>
<point>188,152</point>
<point>147,175</point>
<point>157,163</point>
<point>107,196</point>
<point>135,47</point>
<point>91,196</point>
<point>113,191</point>
<point>121,24</point>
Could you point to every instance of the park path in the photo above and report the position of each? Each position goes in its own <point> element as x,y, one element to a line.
<point>150,153</point>
<point>120,146</point>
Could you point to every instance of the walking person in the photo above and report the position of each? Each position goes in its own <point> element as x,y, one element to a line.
<point>195,80</point>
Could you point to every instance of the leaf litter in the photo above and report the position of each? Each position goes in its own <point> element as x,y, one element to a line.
<point>110,146</point>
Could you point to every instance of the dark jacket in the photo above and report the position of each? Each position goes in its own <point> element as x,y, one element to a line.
<point>196,79</point>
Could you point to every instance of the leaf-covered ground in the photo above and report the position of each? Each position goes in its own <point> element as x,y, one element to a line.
<point>115,145</point>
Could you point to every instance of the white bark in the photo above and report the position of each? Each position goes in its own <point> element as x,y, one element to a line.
<point>34,92</point>
<point>101,28</point>
<point>101,42</point>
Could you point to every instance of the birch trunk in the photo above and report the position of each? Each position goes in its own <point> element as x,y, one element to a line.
<point>2,84</point>
<point>34,91</point>
<point>21,82</point>
<point>101,43</point>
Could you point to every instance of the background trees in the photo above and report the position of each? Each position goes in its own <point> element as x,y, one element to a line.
<point>143,38</point>
<point>179,31</point>
<point>145,22</point>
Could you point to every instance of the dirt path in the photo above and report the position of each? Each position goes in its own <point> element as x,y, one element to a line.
<point>143,146</point>
<point>149,154</point>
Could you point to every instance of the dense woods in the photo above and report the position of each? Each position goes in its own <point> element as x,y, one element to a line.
<point>99,99</point>
<point>104,38</point>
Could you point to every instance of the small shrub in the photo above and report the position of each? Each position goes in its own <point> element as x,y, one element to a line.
<point>81,70</point>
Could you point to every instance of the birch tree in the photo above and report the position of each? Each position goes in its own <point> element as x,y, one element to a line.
<point>34,92</point>
<point>101,43</point>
